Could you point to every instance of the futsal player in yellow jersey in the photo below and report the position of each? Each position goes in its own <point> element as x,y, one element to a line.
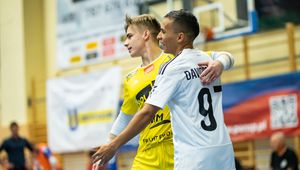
<point>155,151</point>
<point>155,145</point>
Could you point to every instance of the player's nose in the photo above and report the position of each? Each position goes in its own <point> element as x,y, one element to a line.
<point>159,36</point>
<point>126,42</point>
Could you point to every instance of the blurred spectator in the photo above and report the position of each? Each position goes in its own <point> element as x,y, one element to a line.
<point>45,159</point>
<point>14,147</point>
<point>238,164</point>
<point>282,158</point>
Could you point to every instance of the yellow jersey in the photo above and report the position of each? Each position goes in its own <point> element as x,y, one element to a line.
<point>137,86</point>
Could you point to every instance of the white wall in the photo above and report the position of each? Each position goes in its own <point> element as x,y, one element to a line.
<point>13,93</point>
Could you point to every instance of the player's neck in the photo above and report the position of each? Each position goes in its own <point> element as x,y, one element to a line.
<point>152,52</point>
<point>182,47</point>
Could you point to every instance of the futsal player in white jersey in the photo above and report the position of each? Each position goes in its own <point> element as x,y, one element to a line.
<point>201,140</point>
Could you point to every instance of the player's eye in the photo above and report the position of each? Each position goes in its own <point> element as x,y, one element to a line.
<point>163,31</point>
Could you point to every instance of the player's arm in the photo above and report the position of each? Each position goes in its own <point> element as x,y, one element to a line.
<point>162,91</point>
<point>221,61</point>
<point>136,125</point>
<point>225,58</point>
<point>119,125</point>
<point>129,107</point>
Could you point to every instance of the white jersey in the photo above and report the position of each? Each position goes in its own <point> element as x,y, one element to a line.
<point>201,139</point>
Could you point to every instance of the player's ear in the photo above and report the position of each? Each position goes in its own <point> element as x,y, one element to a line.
<point>146,34</point>
<point>181,37</point>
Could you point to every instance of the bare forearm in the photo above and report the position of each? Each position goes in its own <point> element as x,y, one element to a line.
<point>111,137</point>
<point>136,125</point>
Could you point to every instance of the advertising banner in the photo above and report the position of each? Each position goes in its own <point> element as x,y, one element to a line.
<point>257,108</point>
<point>91,31</point>
<point>81,109</point>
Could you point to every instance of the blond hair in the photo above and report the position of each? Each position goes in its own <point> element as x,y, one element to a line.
<point>145,21</point>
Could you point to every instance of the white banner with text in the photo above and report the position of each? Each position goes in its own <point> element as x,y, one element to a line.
<point>81,109</point>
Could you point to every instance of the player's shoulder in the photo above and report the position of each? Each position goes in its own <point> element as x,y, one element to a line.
<point>165,57</point>
<point>131,74</point>
<point>178,63</point>
<point>169,64</point>
<point>205,53</point>
<point>209,53</point>
<point>186,53</point>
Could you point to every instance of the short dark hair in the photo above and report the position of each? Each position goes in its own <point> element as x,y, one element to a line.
<point>185,22</point>
<point>13,124</point>
<point>147,21</point>
<point>91,153</point>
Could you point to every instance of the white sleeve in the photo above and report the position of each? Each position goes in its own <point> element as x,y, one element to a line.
<point>165,86</point>
<point>120,124</point>
<point>225,58</point>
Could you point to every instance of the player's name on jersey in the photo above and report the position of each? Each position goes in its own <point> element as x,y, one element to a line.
<point>193,73</point>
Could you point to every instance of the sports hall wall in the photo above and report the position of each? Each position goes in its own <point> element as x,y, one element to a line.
<point>12,63</point>
<point>27,53</point>
<point>22,58</point>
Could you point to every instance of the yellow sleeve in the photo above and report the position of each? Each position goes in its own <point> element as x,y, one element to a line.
<point>129,105</point>
<point>209,53</point>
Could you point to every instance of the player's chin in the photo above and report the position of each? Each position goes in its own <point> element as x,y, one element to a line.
<point>166,50</point>
<point>133,54</point>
